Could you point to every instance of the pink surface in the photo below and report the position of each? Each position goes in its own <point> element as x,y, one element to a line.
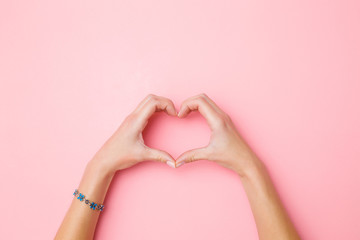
<point>286,71</point>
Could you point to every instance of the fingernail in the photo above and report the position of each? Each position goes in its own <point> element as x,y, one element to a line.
<point>170,163</point>
<point>179,164</point>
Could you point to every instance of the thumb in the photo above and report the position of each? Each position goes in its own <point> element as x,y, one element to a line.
<point>192,155</point>
<point>160,156</point>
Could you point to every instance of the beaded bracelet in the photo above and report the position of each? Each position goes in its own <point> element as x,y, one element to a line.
<point>93,206</point>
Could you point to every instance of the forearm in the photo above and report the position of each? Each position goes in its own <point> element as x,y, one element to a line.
<point>80,221</point>
<point>122,150</point>
<point>270,216</point>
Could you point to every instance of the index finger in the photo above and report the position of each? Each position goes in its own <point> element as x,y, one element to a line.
<point>152,104</point>
<point>206,109</point>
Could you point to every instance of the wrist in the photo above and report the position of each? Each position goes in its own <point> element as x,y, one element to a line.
<point>252,168</point>
<point>101,166</point>
<point>95,181</point>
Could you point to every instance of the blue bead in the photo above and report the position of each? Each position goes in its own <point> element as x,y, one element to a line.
<point>81,197</point>
<point>93,205</point>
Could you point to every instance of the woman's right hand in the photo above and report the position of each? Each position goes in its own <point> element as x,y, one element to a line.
<point>226,146</point>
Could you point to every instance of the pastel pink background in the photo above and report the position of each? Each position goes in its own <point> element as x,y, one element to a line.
<point>286,71</point>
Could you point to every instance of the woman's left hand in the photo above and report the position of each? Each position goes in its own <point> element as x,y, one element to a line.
<point>126,146</point>
<point>123,149</point>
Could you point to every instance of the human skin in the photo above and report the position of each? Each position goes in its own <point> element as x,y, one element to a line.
<point>226,147</point>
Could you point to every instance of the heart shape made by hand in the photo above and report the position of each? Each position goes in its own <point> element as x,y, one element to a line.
<point>225,146</point>
<point>176,135</point>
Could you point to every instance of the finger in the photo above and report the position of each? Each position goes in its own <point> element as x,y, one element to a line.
<point>192,155</point>
<point>152,105</point>
<point>155,104</point>
<point>213,104</point>
<point>159,156</point>
<point>141,104</point>
<point>200,104</point>
<point>151,98</point>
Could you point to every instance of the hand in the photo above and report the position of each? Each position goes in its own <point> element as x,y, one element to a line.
<point>226,146</point>
<point>126,146</point>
